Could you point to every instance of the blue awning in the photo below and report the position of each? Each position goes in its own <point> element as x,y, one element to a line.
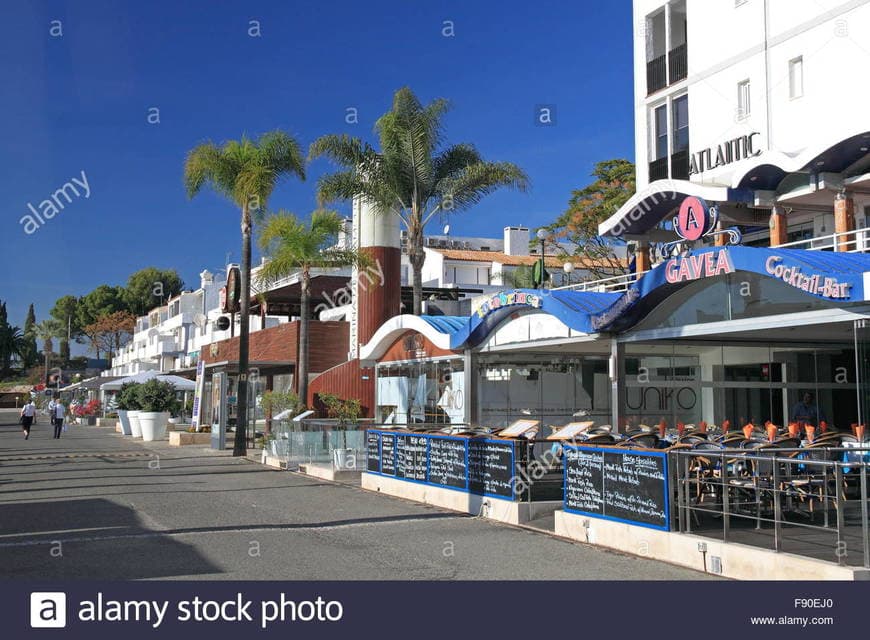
<point>837,277</point>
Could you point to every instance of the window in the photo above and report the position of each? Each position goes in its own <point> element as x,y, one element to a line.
<point>660,118</point>
<point>744,106</point>
<point>681,123</point>
<point>796,78</point>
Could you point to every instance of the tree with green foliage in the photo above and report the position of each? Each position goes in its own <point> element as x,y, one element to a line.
<point>30,355</point>
<point>296,247</point>
<point>100,302</point>
<point>412,176</point>
<point>614,184</point>
<point>148,288</point>
<point>12,343</point>
<point>246,172</point>
<point>45,331</point>
<point>65,313</point>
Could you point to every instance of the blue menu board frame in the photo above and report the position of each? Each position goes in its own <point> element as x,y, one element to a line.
<point>429,481</point>
<point>603,516</point>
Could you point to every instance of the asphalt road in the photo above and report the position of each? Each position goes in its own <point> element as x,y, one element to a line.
<point>97,505</point>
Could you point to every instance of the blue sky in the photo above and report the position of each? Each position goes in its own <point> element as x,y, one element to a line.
<point>80,102</point>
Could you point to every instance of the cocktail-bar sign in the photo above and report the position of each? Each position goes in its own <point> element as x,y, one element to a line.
<point>507,299</point>
<point>704,265</point>
<point>815,284</point>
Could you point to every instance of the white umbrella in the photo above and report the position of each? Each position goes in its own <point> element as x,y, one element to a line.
<point>181,384</point>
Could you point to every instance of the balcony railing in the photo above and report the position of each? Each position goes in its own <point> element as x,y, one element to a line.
<point>678,64</point>
<point>658,169</point>
<point>680,165</point>
<point>656,74</point>
<point>857,241</point>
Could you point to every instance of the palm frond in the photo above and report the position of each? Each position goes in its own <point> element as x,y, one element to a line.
<point>469,185</point>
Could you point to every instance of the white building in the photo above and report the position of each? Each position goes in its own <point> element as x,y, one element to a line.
<point>756,106</point>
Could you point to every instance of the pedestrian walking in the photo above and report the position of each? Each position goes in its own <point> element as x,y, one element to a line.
<point>51,408</point>
<point>59,412</point>
<point>28,412</point>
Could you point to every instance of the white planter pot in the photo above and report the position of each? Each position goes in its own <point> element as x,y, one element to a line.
<point>135,428</point>
<point>125,422</point>
<point>153,424</point>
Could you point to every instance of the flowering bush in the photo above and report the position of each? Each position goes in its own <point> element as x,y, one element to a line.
<point>92,408</point>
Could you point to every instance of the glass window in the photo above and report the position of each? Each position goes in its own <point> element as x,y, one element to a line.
<point>744,105</point>
<point>796,77</point>
<point>431,392</point>
<point>661,132</point>
<point>681,123</point>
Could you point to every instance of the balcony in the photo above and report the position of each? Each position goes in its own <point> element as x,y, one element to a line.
<point>658,169</point>
<point>679,165</point>
<point>678,64</point>
<point>656,74</point>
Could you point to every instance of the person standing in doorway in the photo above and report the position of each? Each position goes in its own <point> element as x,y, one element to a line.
<point>28,412</point>
<point>59,412</point>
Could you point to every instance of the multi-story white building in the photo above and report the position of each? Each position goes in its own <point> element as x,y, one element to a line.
<point>755,106</point>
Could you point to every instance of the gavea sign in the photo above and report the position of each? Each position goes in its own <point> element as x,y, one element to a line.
<point>704,265</point>
<point>506,299</point>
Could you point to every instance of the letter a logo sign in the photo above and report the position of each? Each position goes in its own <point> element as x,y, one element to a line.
<point>48,610</point>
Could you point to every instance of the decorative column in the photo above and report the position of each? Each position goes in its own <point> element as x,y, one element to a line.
<point>844,220</point>
<point>642,259</point>
<point>720,239</point>
<point>376,288</point>
<point>778,227</point>
<point>616,372</point>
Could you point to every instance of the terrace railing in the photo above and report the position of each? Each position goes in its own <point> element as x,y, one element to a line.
<point>810,501</point>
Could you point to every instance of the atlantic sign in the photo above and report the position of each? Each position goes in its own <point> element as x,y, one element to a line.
<point>793,276</point>
<point>507,299</point>
<point>739,148</point>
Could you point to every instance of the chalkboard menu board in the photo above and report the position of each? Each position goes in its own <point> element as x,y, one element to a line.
<point>621,484</point>
<point>447,462</point>
<point>490,467</point>
<point>411,457</point>
<point>373,451</point>
<point>388,454</point>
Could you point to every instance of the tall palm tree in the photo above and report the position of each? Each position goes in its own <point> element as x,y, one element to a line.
<point>412,176</point>
<point>296,247</point>
<point>246,172</point>
<point>12,343</point>
<point>45,331</point>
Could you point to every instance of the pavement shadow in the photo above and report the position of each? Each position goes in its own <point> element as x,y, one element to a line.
<point>90,539</point>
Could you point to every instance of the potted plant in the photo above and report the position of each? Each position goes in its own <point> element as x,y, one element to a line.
<point>87,413</point>
<point>274,403</point>
<point>158,402</point>
<point>346,412</point>
<point>126,401</point>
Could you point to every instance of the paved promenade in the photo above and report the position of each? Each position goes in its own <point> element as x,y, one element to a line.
<point>97,505</point>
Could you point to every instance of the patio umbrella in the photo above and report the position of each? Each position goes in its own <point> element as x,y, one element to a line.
<point>181,384</point>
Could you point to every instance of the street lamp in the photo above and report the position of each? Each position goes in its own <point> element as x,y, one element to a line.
<point>541,236</point>
<point>568,268</point>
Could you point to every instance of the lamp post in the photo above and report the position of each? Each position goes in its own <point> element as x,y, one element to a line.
<point>568,268</point>
<point>541,236</point>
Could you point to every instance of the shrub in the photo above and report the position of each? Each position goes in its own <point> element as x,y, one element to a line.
<point>157,396</point>
<point>274,402</point>
<point>87,410</point>
<point>128,397</point>
<point>345,411</point>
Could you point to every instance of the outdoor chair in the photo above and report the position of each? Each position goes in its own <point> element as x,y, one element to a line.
<point>814,482</point>
<point>648,440</point>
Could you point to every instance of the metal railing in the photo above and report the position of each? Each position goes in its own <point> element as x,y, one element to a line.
<point>318,441</point>
<point>811,502</point>
<point>857,241</point>
<point>678,63</point>
<point>656,74</point>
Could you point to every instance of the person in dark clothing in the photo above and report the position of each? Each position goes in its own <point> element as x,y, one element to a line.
<point>28,412</point>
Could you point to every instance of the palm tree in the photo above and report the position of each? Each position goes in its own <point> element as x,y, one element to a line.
<point>246,172</point>
<point>45,331</point>
<point>293,246</point>
<point>12,343</point>
<point>412,176</point>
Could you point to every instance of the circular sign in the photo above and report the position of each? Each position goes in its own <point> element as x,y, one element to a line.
<point>695,219</point>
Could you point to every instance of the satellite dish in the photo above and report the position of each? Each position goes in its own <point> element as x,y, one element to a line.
<point>153,331</point>
<point>222,323</point>
<point>200,320</point>
<point>446,229</point>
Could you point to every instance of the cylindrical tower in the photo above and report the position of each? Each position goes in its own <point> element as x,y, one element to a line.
<point>377,290</point>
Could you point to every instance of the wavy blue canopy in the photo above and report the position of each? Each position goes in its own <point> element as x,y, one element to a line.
<point>822,274</point>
